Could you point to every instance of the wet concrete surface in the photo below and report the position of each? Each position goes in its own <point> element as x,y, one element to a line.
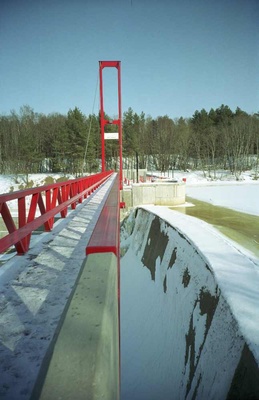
<point>240,227</point>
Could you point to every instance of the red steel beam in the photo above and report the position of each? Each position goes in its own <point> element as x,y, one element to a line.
<point>105,236</point>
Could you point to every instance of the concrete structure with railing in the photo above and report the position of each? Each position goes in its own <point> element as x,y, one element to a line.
<point>157,193</point>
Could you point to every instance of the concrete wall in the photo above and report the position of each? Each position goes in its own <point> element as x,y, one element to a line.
<point>166,193</point>
<point>182,335</point>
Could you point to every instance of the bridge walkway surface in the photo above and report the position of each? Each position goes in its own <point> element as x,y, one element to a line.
<point>36,290</point>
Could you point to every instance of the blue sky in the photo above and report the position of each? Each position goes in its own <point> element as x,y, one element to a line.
<point>177,56</point>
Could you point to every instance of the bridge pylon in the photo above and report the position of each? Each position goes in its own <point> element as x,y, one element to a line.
<point>104,122</point>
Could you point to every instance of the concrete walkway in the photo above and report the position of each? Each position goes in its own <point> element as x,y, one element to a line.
<point>34,292</point>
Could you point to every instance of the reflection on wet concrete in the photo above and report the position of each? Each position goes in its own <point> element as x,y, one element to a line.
<point>240,227</point>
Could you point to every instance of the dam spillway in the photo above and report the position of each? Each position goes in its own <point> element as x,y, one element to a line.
<point>189,325</point>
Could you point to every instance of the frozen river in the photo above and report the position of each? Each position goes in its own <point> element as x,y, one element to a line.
<point>241,197</point>
<point>232,208</point>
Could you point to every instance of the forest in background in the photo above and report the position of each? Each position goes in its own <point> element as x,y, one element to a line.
<point>210,140</point>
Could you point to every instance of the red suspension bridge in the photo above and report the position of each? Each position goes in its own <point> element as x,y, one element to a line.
<point>37,208</point>
<point>100,257</point>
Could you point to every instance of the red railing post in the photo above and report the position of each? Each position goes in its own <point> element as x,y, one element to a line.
<point>22,220</point>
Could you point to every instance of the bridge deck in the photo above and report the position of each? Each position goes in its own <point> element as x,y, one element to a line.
<point>35,290</point>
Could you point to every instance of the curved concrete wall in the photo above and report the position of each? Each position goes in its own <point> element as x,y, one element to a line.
<point>184,333</point>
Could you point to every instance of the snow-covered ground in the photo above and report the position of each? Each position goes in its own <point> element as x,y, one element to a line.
<point>11,183</point>
<point>239,195</point>
<point>15,182</point>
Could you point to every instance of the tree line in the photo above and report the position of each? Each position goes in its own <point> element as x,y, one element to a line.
<point>210,140</point>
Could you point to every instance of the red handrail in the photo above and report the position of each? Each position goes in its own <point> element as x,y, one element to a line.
<point>105,236</point>
<point>50,200</point>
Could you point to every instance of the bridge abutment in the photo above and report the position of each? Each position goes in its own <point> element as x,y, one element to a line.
<point>157,193</point>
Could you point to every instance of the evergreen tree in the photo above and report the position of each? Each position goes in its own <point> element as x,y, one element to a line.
<point>76,131</point>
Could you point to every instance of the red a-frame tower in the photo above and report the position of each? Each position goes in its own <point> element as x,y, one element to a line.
<point>103,121</point>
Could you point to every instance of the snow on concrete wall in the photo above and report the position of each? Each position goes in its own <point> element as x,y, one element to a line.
<point>179,336</point>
